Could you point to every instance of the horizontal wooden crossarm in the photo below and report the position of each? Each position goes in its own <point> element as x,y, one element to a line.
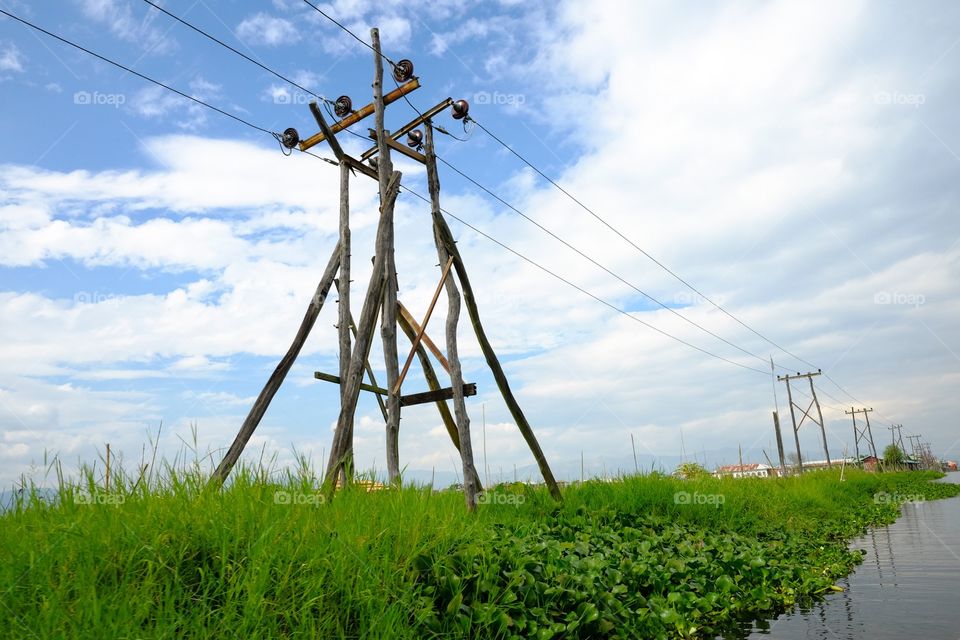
<point>362,113</point>
<point>469,389</point>
<point>446,393</point>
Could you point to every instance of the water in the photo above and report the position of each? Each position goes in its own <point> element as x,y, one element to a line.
<point>907,587</point>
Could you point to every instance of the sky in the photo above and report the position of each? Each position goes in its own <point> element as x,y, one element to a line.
<point>796,162</point>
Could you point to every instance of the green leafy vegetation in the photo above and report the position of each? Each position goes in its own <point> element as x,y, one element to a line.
<point>892,455</point>
<point>651,556</point>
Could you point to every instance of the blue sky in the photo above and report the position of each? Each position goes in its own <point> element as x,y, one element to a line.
<point>795,162</point>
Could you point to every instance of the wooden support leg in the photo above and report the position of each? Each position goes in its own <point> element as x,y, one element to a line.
<point>388,326</point>
<point>470,488</point>
<point>365,327</point>
<point>344,317</point>
<point>434,384</point>
<point>276,379</point>
<point>470,301</point>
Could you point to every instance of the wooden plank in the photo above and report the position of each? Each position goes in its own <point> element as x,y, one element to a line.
<point>423,326</point>
<point>353,163</point>
<point>446,393</point>
<point>276,378</point>
<point>364,112</point>
<point>402,148</point>
<point>410,126</point>
<point>408,317</point>
<point>328,134</point>
<point>329,377</point>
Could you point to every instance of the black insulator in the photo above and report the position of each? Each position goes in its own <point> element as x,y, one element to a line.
<point>415,139</point>
<point>343,106</point>
<point>403,70</point>
<point>460,109</point>
<point>290,138</point>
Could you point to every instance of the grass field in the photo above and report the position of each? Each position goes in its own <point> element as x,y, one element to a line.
<point>650,556</point>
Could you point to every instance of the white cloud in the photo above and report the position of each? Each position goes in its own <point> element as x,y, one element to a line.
<point>265,29</point>
<point>11,59</point>
<point>118,15</point>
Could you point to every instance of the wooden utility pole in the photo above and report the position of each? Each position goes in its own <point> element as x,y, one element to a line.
<point>344,316</point>
<point>865,434</point>
<point>806,414</point>
<point>380,300</point>
<point>776,428</point>
<point>444,235</point>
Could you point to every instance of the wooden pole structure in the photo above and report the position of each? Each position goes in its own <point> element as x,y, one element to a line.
<point>344,316</point>
<point>388,319</point>
<point>423,326</point>
<point>636,467</point>
<point>796,431</point>
<point>470,488</point>
<point>365,327</point>
<point>823,429</point>
<point>446,236</point>
<point>276,379</point>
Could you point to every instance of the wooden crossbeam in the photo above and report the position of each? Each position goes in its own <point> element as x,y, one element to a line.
<point>410,126</point>
<point>362,113</point>
<point>446,393</point>
<point>402,148</point>
<point>469,389</point>
<point>425,339</point>
<point>423,326</point>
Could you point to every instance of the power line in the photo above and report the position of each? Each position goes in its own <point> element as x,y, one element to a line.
<point>462,221</point>
<point>239,53</point>
<point>581,289</point>
<point>635,245</point>
<point>594,262</point>
<point>597,216</point>
<point>136,73</point>
<point>352,34</point>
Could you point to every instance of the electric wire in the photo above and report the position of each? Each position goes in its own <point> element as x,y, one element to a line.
<point>447,213</point>
<point>239,53</point>
<point>136,73</point>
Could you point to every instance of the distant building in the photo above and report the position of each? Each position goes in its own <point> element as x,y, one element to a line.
<point>754,470</point>
<point>949,465</point>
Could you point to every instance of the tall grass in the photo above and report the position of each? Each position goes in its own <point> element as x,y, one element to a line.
<point>164,555</point>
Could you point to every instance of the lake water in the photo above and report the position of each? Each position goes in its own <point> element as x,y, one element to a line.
<point>907,587</point>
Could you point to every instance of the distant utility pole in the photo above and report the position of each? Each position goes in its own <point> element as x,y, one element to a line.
<point>806,414</point>
<point>915,446</point>
<point>865,434</point>
<point>896,437</point>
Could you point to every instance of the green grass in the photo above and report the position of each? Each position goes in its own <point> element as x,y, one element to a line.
<point>175,559</point>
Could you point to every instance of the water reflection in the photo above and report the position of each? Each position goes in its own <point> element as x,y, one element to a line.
<point>907,587</point>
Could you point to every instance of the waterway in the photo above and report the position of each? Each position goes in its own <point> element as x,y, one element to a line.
<point>907,587</point>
